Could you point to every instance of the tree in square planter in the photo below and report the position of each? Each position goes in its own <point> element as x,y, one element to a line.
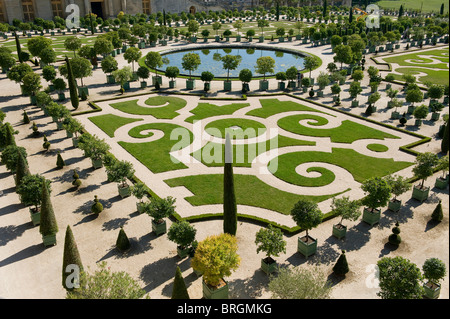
<point>206,77</point>
<point>59,113</point>
<point>425,164</point>
<point>264,65</point>
<point>132,55</point>
<point>73,127</point>
<point>230,62</point>
<point>94,148</point>
<point>183,234</point>
<point>158,209</point>
<point>291,76</point>
<point>216,257</point>
<point>30,193</point>
<point>354,90</point>
<point>190,62</point>
<point>143,73</point>
<point>306,215</point>
<point>123,76</point>
<point>395,103</point>
<point>120,172</point>
<point>60,85</point>
<point>245,76</point>
<point>172,72</point>
<point>48,226</point>
<point>346,209</point>
<point>399,278</point>
<point>433,271</point>
<point>109,65</point>
<point>281,77</point>
<point>399,185</point>
<point>377,192</point>
<point>31,84</point>
<point>420,113</point>
<point>270,240</point>
<point>139,190</point>
<point>442,165</point>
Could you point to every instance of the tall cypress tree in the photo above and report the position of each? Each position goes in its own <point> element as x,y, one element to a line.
<point>325,5</point>
<point>229,197</point>
<point>48,224</point>
<point>71,256</point>
<point>179,286</point>
<point>22,169</point>
<point>400,11</point>
<point>445,139</point>
<point>19,48</point>
<point>72,85</point>
<point>350,17</point>
<point>442,9</point>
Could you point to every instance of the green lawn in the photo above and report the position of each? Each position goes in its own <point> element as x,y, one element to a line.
<point>250,190</point>
<point>212,154</point>
<point>417,61</point>
<point>271,107</point>
<point>426,6</point>
<point>109,123</point>
<point>360,166</point>
<point>432,76</point>
<point>164,112</point>
<point>155,155</point>
<point>205,110</point>
<point>244,128</point>
<point>347,132</point>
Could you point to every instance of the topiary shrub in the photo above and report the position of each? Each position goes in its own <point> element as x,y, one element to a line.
<point>97,208</point>
<point>46,144</point>
<point>59,161</point>
<point>122,242</point>
<point>179,286</point>
<point>394,238</point>
<point>76,179</point>
<point>26,119</point>
<point>438,214</point>
<point>341,266</point>
<point>35,129</point>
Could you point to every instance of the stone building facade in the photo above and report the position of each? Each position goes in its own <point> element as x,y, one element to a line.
<point>27,10</point>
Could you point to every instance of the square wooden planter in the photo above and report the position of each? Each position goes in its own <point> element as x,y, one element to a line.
<point>268,265</point>
<point>182,252</point>
<point>355,103</point>
<point>431,290</point>
<point>210,292</point>
<point>263,85</point>
<point>307,246</point>
<point>140,207</point>
<point>421,194</point>
<point>97,163</point>
<point>227,85</point>
<point>49,240</point>
<point>35,216</point>
<point>371,217</point>
<point>394,205</point>
<point>441,183</point>
<point>124,191</point>
<point>190,84</point>
<point>160,228</point>
<point>339,231</point>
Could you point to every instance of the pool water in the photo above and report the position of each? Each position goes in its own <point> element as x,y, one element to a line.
<point>209,60</point>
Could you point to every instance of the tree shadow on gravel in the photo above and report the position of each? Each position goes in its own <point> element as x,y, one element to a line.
<point>249,288</point>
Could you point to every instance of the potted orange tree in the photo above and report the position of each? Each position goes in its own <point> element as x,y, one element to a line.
<point>399,185</point>
<point>306,215</point>
<point>425,164</point>
<point>378,193</point>
<point>442,165</point>
<point>346,209</point>
<point>119,172</point>
<point>433,270</point>
<point>183,234</point>
<point>30,192</point>
<point>158,209</point>
<point>216,257</point>
<point>270,240</point>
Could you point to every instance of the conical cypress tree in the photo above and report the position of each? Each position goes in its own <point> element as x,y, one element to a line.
<point>18,47</point>
<point>438,213</point>
<point>46,144</point>
<point>179,286</point>
<point>72,85</point>
<point>400,11</point>
<point>229,197</point>
<point>9,135</point>
<point>48,224</point>
<point>341,266</point>
<point>26,119</point>
<point>122,242</point>
<point>71,256</point>
<point>445,139</point>
<point>350,18</point>
<point>59,161</point>
<point>22,169</point>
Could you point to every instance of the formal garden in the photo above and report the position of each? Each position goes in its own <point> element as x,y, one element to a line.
<point>283,178</point>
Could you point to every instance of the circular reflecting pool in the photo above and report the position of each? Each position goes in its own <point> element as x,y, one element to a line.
<point>210,60</point>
